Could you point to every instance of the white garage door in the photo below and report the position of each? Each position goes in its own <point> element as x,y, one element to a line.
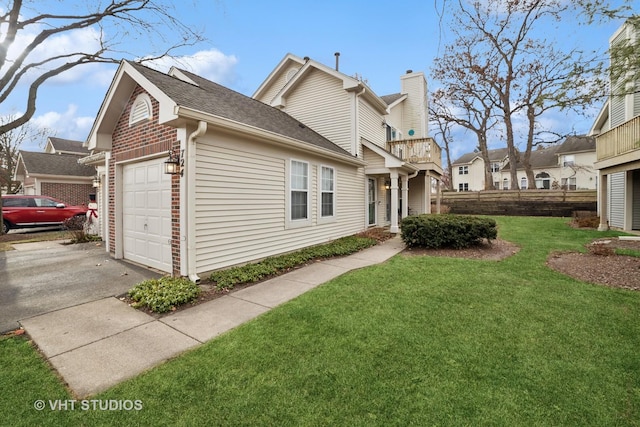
<point>146,214</point>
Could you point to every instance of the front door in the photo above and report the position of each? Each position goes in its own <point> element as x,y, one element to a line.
<point>372,202</point>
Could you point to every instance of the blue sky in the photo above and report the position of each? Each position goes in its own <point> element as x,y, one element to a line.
<point>378,40</point>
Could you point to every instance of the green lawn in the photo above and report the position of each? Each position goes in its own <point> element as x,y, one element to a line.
<point>415,341</point>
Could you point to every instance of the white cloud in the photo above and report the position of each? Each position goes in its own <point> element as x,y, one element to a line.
<point>210,64</point>
<point>66,124</point>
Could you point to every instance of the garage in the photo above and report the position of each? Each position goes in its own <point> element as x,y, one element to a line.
<point>146,214</point>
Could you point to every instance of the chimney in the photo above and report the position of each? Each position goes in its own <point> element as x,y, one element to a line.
<point>337,54</point>
<point>409,71</point>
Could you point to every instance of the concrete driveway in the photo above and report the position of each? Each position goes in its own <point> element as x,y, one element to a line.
<point>41,277</point>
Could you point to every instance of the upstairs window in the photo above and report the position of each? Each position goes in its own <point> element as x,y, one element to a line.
<point>568,160</point>
<point>495,167</point>
<point>141,109</point>
<point>393,134</point>
<point>463,170</point>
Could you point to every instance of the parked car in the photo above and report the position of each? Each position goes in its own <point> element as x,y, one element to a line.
<point>20,211</point>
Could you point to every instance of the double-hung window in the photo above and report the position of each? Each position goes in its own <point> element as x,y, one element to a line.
<point>299,183</point>
<point>327,192</point>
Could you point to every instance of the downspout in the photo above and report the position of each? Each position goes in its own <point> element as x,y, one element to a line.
<point>189,204</point>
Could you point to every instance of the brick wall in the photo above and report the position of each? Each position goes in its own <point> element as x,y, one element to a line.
<point>73,194</point>
<point>139,140</point>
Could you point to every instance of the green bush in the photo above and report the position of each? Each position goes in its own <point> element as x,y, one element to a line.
<point>161,295</point>
<point>250,273</point>
<point>447,231</point>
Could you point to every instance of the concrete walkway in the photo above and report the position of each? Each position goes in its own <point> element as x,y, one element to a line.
<point>98,344</point>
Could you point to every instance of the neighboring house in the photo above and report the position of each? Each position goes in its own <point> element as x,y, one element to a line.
<point>467,172</point>
<point>617,132</point>
<point>254,181</point>
<point>567,166</point>
<point>56,172</point>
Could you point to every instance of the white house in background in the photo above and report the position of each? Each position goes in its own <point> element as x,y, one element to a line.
<point>467,172</point>
<point>566,166</point>
<point>315,156</point>
<point>617,132</point>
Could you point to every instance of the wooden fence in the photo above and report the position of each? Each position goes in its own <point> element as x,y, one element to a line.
<point>520,202</point>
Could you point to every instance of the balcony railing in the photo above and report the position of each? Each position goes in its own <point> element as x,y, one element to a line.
<point>422,150</point>
<point>619,140</point>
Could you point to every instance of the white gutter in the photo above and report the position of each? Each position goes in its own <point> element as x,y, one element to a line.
<point>189,203</point>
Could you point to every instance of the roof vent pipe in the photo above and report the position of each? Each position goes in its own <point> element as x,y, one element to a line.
<point>337,54</point>
<point>409,71</point>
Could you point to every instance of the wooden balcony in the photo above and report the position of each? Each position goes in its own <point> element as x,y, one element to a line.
<point>422,152</point>
<point>619,141</point>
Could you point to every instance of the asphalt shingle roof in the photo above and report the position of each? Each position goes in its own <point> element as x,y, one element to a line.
<point>495,155</point>
<point>68,145</point>
<point>55,164</point>
<point>390,99</point>
<point>577,143</point>
<point>217,100</point>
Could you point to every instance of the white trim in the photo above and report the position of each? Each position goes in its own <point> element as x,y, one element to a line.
<point>141,109</point>
<point>303,222</point>
<point>320,192</point>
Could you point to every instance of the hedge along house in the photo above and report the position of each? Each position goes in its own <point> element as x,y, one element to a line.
<point>252,182</point>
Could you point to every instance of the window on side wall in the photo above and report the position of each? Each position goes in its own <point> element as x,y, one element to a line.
<point>463,186</point>
<point>327,192</point>
<point>463,170</point>
<point>299,190</point>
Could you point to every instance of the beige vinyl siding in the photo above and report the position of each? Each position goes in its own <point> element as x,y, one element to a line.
<point>278,84</point>
<point>373,160</point>
<point>395,119</point>
<point>417,196</point>
<point>371,124</point>
<point>321,103</point>
<point>241,203</point>
<point>414,107</point>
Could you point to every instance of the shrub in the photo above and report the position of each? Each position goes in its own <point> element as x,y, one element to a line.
<point>447,231</point>
<point>251,273</point>
<point>76,226</point>
<point>162,295</point>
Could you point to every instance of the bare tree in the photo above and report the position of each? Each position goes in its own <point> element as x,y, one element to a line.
<point>515,74</point>
<point>443,133</point>
<point>464,100</point>
<point>152,23</point>
<point>10,143</point>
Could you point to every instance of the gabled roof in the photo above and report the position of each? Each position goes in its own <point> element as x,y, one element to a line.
<point>35,163</point>
<point>182,90</point>
<point>60,145</point>
<point>390,99</point>
<point>348,83</point>
<point>577,144</point>
<point>495,155</point>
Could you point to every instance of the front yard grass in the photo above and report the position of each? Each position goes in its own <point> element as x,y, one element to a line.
<point>414,341</point>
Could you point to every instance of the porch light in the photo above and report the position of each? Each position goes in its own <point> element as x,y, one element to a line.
<point>387,185</point>
<point>172,165</point>
<point>96,181</point>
